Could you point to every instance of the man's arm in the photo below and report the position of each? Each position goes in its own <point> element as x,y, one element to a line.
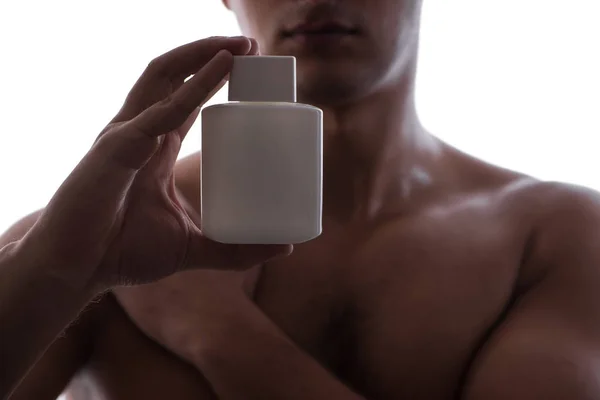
<point>242,353</point>
<point>61,362</point>
<point>53,371</point>
<point>250,358</point>
<point>254,359</point>
<point>549,345</point>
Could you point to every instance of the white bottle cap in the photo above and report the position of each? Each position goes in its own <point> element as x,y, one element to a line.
<point>263,78</point>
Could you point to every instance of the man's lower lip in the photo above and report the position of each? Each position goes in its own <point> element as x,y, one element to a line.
<point>321,37</point>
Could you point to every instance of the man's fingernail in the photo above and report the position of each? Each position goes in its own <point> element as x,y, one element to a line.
<point>255,45</point>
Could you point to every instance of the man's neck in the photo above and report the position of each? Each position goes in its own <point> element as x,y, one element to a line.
<point>377,155</point>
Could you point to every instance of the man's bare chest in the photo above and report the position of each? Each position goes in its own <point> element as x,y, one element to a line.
<point>399,314</point>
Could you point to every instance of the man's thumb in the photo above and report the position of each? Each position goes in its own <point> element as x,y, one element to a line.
<point>203,253</point>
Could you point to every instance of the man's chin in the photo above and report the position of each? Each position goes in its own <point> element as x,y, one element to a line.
<point>326,96</point>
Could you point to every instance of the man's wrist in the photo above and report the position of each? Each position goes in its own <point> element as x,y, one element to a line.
<point>74,279</point>
<point>232,333</point>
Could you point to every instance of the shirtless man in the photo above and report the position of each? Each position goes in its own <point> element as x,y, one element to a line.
<point>437,276</point>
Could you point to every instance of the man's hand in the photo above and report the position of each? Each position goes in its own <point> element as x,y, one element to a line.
<point>116,219</point>
<point>183,311</point>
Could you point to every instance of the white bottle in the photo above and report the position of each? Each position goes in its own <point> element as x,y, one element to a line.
<point>262,158</point>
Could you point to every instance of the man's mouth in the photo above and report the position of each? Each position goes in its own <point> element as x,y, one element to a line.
<point>320,29</point>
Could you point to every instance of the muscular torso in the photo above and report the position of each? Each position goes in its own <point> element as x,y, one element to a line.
<point>396,309</point>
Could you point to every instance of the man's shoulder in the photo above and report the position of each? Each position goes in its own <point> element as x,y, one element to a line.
<point>17,230</point>
<point>553,202</point>
<point>528,197</point>
<point>562,226</point>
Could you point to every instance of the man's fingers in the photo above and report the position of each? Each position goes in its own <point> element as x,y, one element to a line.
<point>171,113</point>
<point>131,144</point>
<point>185,60</point>
<point>167,72</point>
<point>161,102</point>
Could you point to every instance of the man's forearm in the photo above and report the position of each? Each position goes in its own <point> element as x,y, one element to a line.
<point>35,307</point>
<point>253,359</point>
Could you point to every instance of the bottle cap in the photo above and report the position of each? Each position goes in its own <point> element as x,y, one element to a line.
<point>263,78</point>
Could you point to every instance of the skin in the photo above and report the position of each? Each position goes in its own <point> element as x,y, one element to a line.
<point>437,276</point>
<point>121,198</point>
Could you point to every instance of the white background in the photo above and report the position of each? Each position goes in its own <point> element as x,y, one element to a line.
<point>515,82</point>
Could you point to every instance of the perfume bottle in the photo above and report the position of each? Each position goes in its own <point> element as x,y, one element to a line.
<point>262,158</point>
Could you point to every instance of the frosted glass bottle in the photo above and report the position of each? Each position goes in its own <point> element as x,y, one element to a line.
<point>262,158</point>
